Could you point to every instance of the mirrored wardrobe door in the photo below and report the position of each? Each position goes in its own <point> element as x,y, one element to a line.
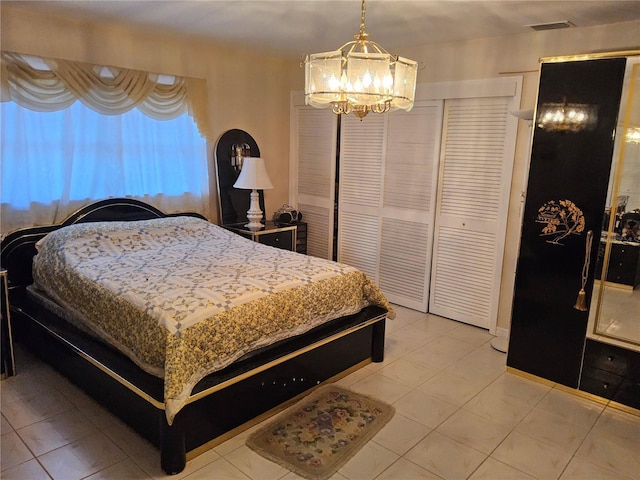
<point>615,308</point>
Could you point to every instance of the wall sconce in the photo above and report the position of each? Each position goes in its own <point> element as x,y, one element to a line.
<point>238,152</point>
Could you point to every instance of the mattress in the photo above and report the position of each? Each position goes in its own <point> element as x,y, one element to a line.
<point>184,298</point>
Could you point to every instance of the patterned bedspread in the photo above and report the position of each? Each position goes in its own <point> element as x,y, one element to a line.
<point>183,297</point>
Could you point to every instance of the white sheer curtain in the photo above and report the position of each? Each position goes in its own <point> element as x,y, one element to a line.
<point>54,161</point>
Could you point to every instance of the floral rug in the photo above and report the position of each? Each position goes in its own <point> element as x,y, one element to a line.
<point>319,434</point>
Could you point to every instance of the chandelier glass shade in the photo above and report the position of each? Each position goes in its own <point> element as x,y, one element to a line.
<point>360,77</point>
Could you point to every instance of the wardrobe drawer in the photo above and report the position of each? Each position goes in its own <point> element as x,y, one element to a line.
<point>629,393</point>
<point>601,383</point>
<point>612,359</point>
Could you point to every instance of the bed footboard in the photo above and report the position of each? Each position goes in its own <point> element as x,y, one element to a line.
<point>277,377</point>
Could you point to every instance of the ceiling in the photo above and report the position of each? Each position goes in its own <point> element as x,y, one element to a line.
<point>293,28</point>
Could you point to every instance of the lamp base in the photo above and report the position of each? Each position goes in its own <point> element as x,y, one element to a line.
<point>254,225</point>
<point>254,214</point>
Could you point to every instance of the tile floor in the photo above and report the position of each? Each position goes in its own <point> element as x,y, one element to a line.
<point>459,415</point>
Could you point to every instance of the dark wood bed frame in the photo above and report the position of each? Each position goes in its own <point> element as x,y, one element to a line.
<point>223,403</point>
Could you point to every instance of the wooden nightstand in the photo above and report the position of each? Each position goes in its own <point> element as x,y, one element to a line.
<point>6,340</point>
<point>274,234</point>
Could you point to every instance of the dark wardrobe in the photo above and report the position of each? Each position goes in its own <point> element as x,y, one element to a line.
<point>579,117</point>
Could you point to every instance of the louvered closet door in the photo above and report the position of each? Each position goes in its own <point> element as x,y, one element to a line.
<point>360,183</point>
<point>388,170</point>
<point>315,149</point>
<point>474,185</point>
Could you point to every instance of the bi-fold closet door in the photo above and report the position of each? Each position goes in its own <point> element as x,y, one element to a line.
<point>474,184</point>
<point>312,173</point>
<point>419,198</point>
<point>386,201</point>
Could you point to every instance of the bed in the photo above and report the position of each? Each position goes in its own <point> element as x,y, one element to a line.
<point>186,353</point>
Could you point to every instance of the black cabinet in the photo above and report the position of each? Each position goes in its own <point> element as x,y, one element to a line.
<point>624,264</point>
<point>566,194</point>
<point>301,237</point>
<point>611,372</point>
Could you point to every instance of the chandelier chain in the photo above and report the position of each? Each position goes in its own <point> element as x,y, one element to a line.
<point>362,34</point>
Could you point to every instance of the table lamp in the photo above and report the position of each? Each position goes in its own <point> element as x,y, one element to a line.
<point>253,176</point>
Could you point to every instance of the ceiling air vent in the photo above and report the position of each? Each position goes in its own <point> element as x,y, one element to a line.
<point>551,25</point>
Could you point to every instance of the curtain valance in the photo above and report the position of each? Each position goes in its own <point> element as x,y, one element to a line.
<point>47,85</point>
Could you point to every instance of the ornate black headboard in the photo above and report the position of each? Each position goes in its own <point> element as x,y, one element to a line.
<point>233,202</point>
<point>18,248</point>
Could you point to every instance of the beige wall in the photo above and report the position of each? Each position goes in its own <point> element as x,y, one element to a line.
<point>251,92</point>
<point>245,91</point>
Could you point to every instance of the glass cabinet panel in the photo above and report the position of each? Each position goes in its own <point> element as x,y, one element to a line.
<point>615,308</point>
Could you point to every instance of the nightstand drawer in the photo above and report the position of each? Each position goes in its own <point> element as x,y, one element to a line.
<point>282,240</point>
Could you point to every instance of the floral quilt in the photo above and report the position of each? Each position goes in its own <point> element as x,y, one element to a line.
<point>183,297</point>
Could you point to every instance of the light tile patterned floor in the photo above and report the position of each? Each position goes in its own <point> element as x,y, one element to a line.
<point>459,415</point>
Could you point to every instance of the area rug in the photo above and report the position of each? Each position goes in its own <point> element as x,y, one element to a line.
<point>320,433</point>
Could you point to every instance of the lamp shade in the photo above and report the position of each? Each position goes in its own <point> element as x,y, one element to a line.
<point>253,175</point>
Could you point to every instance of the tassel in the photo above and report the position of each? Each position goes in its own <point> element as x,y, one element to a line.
<point>581,301</point>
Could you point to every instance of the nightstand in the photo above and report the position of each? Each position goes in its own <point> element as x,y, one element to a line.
<point>6,340</point>
<point>278,235</point>
<point>301,237</point>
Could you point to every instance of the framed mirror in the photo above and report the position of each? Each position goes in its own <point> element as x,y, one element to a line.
<point>231,148</point>
<point>615,305</point>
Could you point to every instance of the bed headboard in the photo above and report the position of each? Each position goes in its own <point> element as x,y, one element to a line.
<point>18,248</point>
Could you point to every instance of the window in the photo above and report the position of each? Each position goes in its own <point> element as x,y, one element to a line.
<point>73,133</point>
<point>78,155</point>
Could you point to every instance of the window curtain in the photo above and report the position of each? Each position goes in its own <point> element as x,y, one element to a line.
<point>130,134</point>
<point>47,85</point>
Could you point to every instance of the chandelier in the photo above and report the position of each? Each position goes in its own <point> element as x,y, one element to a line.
<point>360,77</point>
<point>566,117</point>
